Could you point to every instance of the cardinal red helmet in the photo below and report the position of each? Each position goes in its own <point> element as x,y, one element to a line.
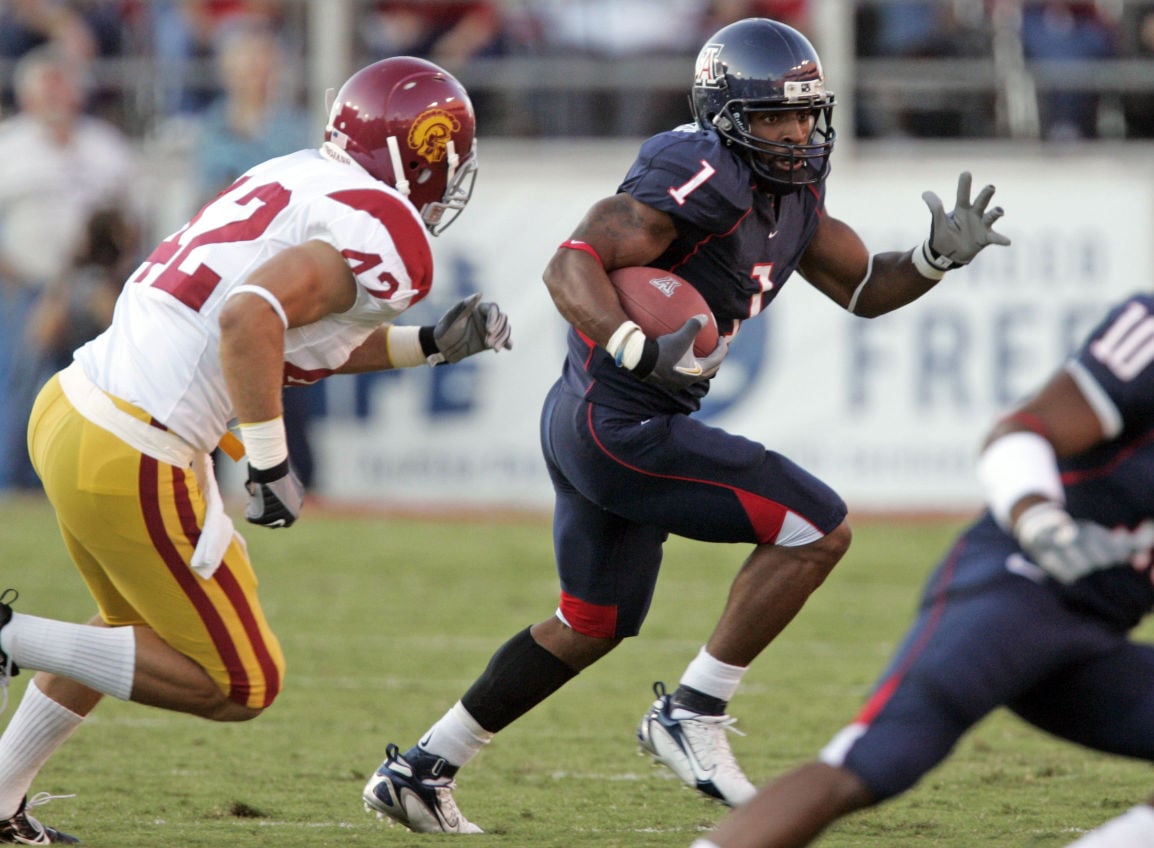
<point>410,124</point>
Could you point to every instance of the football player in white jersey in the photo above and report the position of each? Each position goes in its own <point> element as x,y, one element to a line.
<point>297,271</point>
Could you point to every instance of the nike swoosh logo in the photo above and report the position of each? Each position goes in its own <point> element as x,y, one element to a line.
<point>695,371</point>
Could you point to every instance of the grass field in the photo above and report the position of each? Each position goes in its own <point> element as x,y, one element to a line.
<point>385,621</point>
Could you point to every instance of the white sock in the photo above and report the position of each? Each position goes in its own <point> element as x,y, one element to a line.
<point>457,737</point>
<point>713,677</point>
<point>103,658</point>
<point>1133,829</point>
<point>38,727</point>
<point>703,843</point>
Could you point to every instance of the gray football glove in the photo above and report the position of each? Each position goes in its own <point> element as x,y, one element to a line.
<point>955,239</point>
<point>674,365</point>
<point>469,327</point>
<point>1069,549</point>
<point>275,496</point>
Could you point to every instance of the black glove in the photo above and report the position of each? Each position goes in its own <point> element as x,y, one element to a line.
<point>275,496</point>
<point>669,360</point>
<point>468,327</point>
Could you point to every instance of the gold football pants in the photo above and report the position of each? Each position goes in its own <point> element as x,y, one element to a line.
<point>131,523</point>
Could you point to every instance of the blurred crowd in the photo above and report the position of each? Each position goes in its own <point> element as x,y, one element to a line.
<point>88,82</point>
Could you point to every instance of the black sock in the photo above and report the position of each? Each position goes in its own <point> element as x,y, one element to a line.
<point>699,702</point>
<point>520,675</point>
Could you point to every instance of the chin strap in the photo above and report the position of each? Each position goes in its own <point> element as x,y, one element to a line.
<point>400,183</point>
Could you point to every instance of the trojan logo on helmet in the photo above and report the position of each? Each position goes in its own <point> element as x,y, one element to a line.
<point>431,133</point>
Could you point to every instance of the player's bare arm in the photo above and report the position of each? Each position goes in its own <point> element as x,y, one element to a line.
<point>837,263</point>
<point>833,263</point>
<point>622,232</point>
<point>1061,415</point>
<point>308,281</point>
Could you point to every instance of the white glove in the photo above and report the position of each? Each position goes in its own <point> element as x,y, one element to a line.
<point>955,239</point>
<point>470,327</point>
<point>1069,549</point>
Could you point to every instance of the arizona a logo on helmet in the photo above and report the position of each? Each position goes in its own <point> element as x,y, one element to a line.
<point>710,72</point>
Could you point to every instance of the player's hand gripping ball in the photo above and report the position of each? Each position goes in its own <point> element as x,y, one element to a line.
<point>660,302</point>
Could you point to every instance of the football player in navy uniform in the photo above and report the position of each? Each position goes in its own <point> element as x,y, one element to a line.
<point>734,203</point>
<point>1030,609</point>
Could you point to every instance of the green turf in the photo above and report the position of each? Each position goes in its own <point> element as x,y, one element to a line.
<point>386,621</point>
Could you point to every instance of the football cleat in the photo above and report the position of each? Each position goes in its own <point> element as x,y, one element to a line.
<point>416,790</point>
<point>22,829</point>
<point>695,747</point>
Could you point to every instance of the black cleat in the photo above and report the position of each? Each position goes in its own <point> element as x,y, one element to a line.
<point>22,829</point>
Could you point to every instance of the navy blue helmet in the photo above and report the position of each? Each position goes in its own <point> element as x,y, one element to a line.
<point>755,65</point>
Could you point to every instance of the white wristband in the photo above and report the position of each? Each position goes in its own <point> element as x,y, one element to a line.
<point>1014,466</point>
<point>404,347</point>
<point>265,443</point>
<point>922,262</point>
<point>626,345</point>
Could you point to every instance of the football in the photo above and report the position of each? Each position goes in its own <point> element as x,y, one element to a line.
<point>661,302</point>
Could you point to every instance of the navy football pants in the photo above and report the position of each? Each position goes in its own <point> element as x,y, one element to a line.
<point>623,484</point>
<point>993,631</point>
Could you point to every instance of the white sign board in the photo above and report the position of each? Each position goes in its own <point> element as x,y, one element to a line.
<point>889,411</point>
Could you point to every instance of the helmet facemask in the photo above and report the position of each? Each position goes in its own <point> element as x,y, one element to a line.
<point>780,163</point>
<point>460,179</point>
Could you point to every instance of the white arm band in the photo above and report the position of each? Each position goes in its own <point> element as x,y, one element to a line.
<point>1016,465</point>
<point>265,295</point>
<point>265,443</point>
<point>922,263</point>
<point>404,347</point>
<point>852,307</point>
<point>626,345</point>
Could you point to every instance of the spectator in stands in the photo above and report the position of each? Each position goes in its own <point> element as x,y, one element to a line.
<point>255,118</point>
<point>80,32</point>
<point>57,166</point>
<point>77,306</point>
<point>186,35</point>
<point>1138,106</point>
<point>613,31</point>
<point>1060,31</point>
<point>28,24</point>
<point>795,13</point>
<point>449,32</point>
<point>911,30</point>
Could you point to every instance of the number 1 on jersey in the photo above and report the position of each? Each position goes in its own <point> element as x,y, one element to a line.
<point>682,192</point>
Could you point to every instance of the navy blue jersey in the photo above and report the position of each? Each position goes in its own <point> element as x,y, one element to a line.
<point>736,243</point>
<point>1111,482</point>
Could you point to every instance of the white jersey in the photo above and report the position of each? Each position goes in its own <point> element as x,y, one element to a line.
<point>162,350</point>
